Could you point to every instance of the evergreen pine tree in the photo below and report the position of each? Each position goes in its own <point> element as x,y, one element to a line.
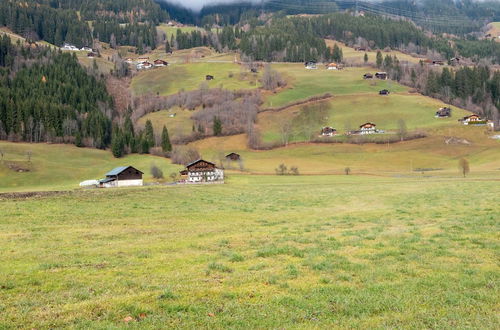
<point>380,59</point>
<point>117,143</point>
<point>365,58</point>
<point>149,135</point>
<point>217,126</point>
<point>166,146</point>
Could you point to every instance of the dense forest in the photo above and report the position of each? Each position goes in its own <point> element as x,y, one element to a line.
<point>126,22</point>
<point>55,26</point>
<point>302,39</point>
<point>138,35</point>
<point>458,17</point>
<point>45,95</point>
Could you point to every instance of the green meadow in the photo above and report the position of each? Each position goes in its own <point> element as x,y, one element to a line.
<point>186,77</point>
<point>61,167</point>
<point>348,112</point>
<point>259,252</point>
<point>303,83</point>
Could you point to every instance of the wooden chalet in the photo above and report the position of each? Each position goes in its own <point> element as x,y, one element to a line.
<point>92,55</point>
<point>455,61</point>
<point>209,77</point>
<point>384,92</point>
<point>328,131</point>
<point>160,63</point>
<point>254,70</point>
<point>473,120</point>
<point>233,157</point>
<point>124,176</point>
<point>360,49</point>
<point>310,65</point>
<point>144,66</point>
<point>437,63</point>
<point>333,66</point>
<point>367,128</point>
<point>202,171</point>
<point>381,75</point>
<point>443,112</point>
<point>368,76</point>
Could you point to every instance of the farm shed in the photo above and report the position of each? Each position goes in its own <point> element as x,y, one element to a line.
<point>328,131</point>
<point>123,176</point>
<point>233,156</point>
<point>381,75</point>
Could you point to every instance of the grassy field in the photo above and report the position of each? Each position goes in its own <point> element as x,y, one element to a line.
<point>65,166</point>
<point>494,30</point>
<point>172,30</point>
<point>376,159</point>
<point>357,57</point>
<point>304,83</point>
<point>305,252</point>
<point>172,79</point>
<point>180,125</point>
<point>347,112</point>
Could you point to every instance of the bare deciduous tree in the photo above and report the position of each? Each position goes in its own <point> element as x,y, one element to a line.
<point>463,165</point>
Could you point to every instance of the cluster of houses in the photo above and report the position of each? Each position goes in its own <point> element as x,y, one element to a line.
<point>200,171</point>
<point>143,63</point>
<point>471,120</point>
<point>377,75</point>
<point>91,53</point>
<point>73,48</point>
<point>365,129</point>
<point>311,65</point>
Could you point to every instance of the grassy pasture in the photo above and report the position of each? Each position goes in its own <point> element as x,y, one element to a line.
<point>347,112</point>
<point>65,166</point>
<point>172,79</point>
<point>180,125</point>
<point>303,83</point>
<point>306,252</point>
<point>494,30</point>
<point>354,56</point>
<point>172,30</point>
<point>377,159</point>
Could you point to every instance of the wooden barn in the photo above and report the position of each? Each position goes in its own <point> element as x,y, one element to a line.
<point>311,65</point>
<point>202,171</point>
<point>381,75</point>
<point>368,76</point>
<point>384,92</point>
<point>160,63</point>
<point>328,131</point>
<point>443,112</point>
<point>209,77</point>
<point>123,176</point>
<point>233,157</point>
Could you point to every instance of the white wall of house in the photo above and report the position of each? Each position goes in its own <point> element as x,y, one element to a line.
<point>216,175</point>
<point>124,183</point>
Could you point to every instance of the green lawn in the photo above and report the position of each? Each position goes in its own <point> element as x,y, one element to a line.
<point>260,252</point>
<point>172,79</point>
<point>303,83</point>
<point>65,166</point>
<point>180,125</point>
<point>172,30</point>
<point>347,112</point>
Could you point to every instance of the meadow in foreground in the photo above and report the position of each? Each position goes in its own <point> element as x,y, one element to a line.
<point>258,252</point>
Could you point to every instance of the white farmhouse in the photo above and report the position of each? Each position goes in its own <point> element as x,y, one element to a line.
<point>202,171</point>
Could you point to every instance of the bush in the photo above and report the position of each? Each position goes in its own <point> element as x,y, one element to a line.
<point>156,172</point>
<point>183,155</point>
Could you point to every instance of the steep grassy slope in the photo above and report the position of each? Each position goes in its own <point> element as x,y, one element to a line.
<point>64,166</point>
<point>347,112</point>
<point>306,252</point>
<point>304,83</point>
<point>172,79</point>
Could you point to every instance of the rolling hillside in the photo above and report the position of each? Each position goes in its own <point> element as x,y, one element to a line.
<point>56,167</point>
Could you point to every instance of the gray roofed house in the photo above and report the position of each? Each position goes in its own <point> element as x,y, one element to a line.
<point>123,176</point>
